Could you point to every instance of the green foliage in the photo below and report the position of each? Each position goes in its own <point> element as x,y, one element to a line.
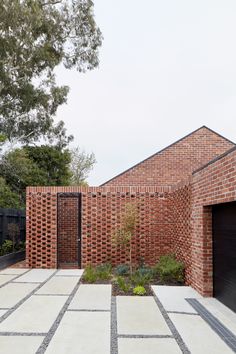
<point>90,274</point>
<point>139,279</point>
<point>122,269</point>
<point>36,37</point>
<point>104,271</point>
<point>81,164</point>
<point>53,161</point>
<point>8,198</point>
<point>7,247</point>
<point>32,166</point>
<point>123,284</point>
<point>169,269</point>
<point>145,271</point>
<point>139,290</point>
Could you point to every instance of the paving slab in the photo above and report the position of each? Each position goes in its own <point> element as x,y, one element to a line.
<point>82,333</point>
<point>13,271</point>
<point>59,286</point>
<point>140,315</point>
<point>73,272</point>
<point>12,293</point>
<point>19,345</point>
<point>5,278</point>
<point>226,316</point>
<point>173,297</point>
<point>36,314</point>
<point>36,276</point>
<point>92,297</point>
<point>198,335</point>
<point>2,312</point>
<point>148,346</point>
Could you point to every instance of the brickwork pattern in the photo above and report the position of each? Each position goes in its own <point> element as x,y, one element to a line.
<point>67,245</point>
<point>214,184</point>
<point>176,162</point>
<point>41,230</point>
<point>180,206</point>
<point>101,213</point>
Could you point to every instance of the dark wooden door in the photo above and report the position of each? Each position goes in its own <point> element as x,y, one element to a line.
<point>224,253</point>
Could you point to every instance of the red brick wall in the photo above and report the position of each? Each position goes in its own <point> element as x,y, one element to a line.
<point>101,213</point>
<point>180,206</point>
<point>41,230</point>
<point>68,214</point>
<point>101,216</point>
<point>176,162</point>
<point>212,185</point>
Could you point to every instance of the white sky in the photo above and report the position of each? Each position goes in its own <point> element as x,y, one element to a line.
<point>167,67</point>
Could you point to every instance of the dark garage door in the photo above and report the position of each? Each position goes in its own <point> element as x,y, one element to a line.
<point>224,253</point>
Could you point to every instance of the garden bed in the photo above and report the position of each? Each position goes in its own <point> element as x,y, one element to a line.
<point>138,281</point>
<point>11,258</point>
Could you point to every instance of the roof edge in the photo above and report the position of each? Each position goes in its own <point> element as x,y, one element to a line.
<point>167,147</point>
<point>214,160</point>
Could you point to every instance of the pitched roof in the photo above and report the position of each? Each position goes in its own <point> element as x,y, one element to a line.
<point>159,152</point>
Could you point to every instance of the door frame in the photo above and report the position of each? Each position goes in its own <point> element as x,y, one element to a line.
<point>79,225</point>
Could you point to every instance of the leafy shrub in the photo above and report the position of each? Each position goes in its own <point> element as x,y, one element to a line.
<point>90,274</point>
<point>145,271</point>
<point>169,269</point>
<point>7,247</point>
<point>122,269</point>
<point>20,246</point>
<point>104,271</point>
<point>123,285</point>
<point>139,279</point>
<point>139,290</point>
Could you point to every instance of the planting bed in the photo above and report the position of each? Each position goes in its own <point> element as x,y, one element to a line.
<point>138,281</point>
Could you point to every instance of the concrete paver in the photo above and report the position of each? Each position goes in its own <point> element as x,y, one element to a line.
<point>59,286</point>
<point>92,297</point>
<point>36,314</point>
<point>36,275</point>
<point>74,272</point>
<point>88,331</point>
<point>173,297</point>
<point>221,312</point>
<point>140,315</point>
<point>148,346</point>
<point>198,335</point>
<point>19,345</point>
<point>13,271</point>
<point>2,312</point>
<point>5,278</point>
<point>12,293</point>
<point>82,333</point>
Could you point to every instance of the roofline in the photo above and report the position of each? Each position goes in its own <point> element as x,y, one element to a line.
<point>167,147</point>
<point>214,160</point>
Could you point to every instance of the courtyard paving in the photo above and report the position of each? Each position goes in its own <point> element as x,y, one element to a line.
<point>49,311</point>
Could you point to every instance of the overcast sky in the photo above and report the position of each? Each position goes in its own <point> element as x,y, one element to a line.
<point>167,67</point>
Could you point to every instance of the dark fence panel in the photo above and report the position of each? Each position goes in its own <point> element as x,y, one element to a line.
<point>9,217</point>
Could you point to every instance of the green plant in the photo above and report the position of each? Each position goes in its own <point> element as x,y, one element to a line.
<point>20,246</point>
<point>169,269</point>
<point>7,247</point>
<point>123,285</point>
<point>122,269</point>
<point>104,271</point>
<point>145,271</point>
<point>90,274</point>
<point>139,279</point>
<point>139,290</point>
